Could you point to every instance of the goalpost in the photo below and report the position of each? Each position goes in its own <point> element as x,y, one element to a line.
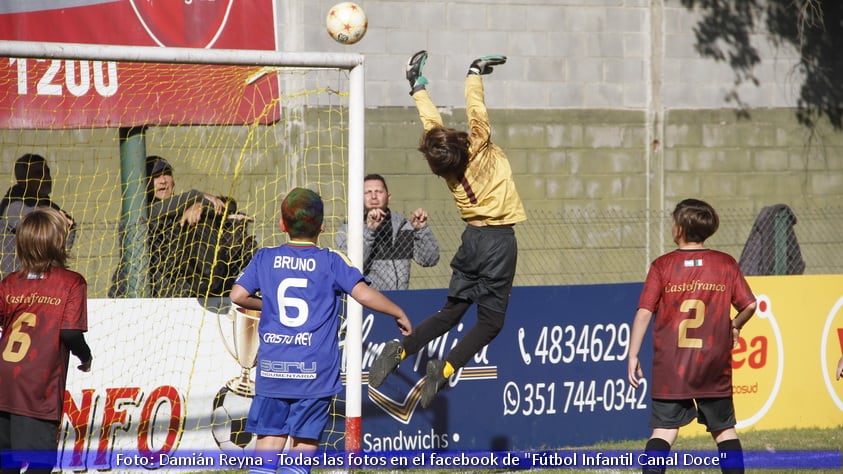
<point>246,124</point>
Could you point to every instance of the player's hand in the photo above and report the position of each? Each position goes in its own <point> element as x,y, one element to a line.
<point>839,372</point>
<point>736,336</point>
<point>85,366</point>
<point>374,218</point>
<point>634,372</point>
<point>404,325</point>
<point>419,219</point>
<point>192,215</point>
<point>484,65</point>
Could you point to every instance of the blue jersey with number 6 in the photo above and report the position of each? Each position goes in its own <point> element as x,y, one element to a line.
<point>301,286</point>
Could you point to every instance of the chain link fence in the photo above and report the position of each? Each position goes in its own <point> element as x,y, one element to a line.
<point>599,247</point>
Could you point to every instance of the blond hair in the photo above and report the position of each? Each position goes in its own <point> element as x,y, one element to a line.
<point>41,238</point>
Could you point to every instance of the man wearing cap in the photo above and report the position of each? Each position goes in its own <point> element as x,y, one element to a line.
<point>32,188</point>
<point>187,258</point>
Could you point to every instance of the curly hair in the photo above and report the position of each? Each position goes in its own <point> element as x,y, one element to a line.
<point>446,151</point>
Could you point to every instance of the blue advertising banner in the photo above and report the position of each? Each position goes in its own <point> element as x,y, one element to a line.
<point>554,377</point>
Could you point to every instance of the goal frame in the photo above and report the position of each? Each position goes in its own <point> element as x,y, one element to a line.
<point>352,62</point>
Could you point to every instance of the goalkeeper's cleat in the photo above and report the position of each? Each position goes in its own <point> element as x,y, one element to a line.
<point>385,363</point>
<point>414,72</point>
<point>433,382</point>
<point>484,65</point>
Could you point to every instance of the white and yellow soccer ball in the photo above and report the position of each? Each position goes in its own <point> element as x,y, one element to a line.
<point>346,23</point>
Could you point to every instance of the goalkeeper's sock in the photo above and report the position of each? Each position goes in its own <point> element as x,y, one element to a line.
<point>448,370</point>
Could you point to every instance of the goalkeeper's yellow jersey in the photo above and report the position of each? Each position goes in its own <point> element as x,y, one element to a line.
<point>487,191</point>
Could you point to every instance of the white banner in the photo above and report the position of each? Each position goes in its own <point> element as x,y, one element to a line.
<point>157,386</point>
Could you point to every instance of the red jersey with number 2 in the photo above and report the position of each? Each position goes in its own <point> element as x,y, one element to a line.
<point>33,361</point>
<point>691,294</point>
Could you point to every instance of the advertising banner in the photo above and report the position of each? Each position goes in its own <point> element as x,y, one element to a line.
<point>39,93</point>
<point>555,376</point>
<point>167,376</point>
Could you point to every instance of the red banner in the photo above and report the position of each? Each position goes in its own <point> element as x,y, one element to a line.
<point>73,93</point>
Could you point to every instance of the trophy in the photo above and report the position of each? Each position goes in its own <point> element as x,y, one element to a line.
<point>244,346</point>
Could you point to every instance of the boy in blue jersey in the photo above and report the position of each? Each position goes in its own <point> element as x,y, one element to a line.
<point>297,287</point>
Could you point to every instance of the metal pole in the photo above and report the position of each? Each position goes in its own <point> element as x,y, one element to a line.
<point>133,210</point>
<point>354,323</point>
<point>154,54</point>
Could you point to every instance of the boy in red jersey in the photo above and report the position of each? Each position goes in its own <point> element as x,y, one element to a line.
<point>43,314</point>
<point>691,291</point>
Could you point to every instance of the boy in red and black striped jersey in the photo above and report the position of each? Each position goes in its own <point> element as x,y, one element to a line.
<point>691,292</point>
<point>43,315</point>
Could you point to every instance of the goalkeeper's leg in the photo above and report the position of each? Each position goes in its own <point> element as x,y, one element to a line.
<point>434,326</point>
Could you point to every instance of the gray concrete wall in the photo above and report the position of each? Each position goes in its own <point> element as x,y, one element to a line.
<point>607,113</point>
<point>607,54</point>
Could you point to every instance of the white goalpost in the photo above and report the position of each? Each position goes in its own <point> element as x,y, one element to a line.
<point>302,125</point>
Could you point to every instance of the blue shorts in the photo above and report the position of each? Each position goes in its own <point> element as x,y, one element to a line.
<point>296,417</point>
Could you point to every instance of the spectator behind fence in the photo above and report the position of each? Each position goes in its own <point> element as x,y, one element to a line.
<point>32,188</point>
<point>390,241</point>
<point>772,248</point>
<point>188,255</point>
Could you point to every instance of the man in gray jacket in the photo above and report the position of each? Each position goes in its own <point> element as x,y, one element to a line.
<point>390,241</point>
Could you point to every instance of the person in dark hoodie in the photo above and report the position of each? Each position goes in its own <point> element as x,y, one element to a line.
<point>197,243</point>
<point>32,188</point>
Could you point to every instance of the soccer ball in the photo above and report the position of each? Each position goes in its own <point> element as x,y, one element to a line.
<point>228,421</point>
<point>346,23</point>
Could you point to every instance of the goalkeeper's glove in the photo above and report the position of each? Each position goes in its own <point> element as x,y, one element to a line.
<point>484,65</point>
<point>414,72</point>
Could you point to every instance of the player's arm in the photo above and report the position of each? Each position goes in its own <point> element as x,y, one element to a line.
<point>428,113</point>
<point>639,329</point>
<point>478,116</point>
<point>742,317</point>
<point>374,299</point>
<point>74,340</point>
<point>174,205</point>
<point>241,297</point>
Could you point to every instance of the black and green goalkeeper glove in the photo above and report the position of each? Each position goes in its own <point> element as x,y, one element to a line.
<point>484,65</point>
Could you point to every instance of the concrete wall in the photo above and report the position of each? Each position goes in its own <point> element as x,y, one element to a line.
<point>607,113</point>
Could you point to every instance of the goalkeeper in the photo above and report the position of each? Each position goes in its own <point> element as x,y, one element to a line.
<point>478,174</point>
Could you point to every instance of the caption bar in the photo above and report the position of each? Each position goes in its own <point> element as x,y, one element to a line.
<point>459,460</point>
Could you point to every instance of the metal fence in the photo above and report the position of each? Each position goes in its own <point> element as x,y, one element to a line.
<point>598,247</point>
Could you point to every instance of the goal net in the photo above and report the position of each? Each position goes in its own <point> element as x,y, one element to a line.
<point>96,128</point>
